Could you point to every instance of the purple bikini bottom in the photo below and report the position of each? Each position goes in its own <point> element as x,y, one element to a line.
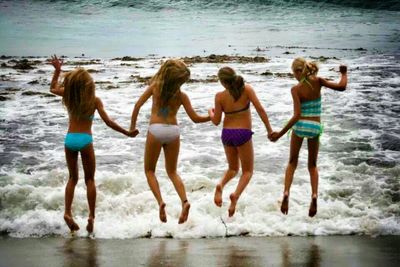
<point>235,137</point>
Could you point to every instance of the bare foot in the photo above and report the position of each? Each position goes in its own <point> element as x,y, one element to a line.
<point>218,195</point>
<point>90,224</point>
<point>285,204</point>
<point>163,215</point>
<point>184,213</point>
<point>71,223</point>
<point>232,207</point>
<point>313,207</point>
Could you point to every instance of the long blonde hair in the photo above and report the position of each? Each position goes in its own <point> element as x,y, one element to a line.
<point>307,68</point>
<point>169,78</point>
<point>234,83</point>
<point>79,93</point>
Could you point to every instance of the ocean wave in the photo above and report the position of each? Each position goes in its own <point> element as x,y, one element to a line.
<point>359,157</point>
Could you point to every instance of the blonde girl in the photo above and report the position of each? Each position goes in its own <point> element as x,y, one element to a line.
<point>78,96</point>
<point>306,123</point>
<point>163,132</point>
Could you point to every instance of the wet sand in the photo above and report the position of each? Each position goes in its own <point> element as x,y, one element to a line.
<point>235,251</point>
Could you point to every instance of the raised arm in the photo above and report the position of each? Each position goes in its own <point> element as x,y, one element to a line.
<point>216,112</point>
<point>341,86</point>
<point>190,111</point>
<point>142,99</point>
<point>259,108</point>
<point>110,123</point>
<point>296,114</point>
<point>55,88</point>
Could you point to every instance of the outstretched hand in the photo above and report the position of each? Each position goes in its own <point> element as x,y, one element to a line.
<point>56,62</point>
<point>274,136</point>
<point>343,69</point>
<point>133,133</point>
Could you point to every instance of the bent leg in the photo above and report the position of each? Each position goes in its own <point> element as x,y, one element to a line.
<point>72,163</point>
<point>295,145</point>
<point>232,157</point>
<point>313,148</point>
<point>89,168</point>
<point>171,152</point>
<point>246,155</point>
<point>151,154</point>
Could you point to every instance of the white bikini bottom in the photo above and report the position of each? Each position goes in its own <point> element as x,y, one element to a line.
<point>164,133</point>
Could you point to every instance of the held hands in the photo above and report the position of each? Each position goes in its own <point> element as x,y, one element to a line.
<point>274,136</point>
<point>133,133</point>
<point>211,112</point>
<point>56,62</point>
<point>343,69</point>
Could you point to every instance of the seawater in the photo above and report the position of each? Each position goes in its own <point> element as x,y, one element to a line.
<point>173,28</point>
<point>358,160</point>
<point>359,152</point>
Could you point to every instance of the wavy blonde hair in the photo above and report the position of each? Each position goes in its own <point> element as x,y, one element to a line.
<point>169,78</point>
<point>79,93</point>
<point>307,68</point>
<point>235,83</point>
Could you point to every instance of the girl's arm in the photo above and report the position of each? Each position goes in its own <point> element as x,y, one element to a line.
<point>190,111</point>
<point>55,88</point>
<point>216,112</point>
<point>295,117</point>
<point>341,86</point>
<point>142,99</point>
<point>259,108</point>
<point>110,123</point>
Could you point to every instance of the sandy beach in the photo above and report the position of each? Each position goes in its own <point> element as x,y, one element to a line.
<point>235,251</point>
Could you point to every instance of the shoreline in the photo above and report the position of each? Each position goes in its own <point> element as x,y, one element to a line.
<point>258,51</point>
<point>234,251</point>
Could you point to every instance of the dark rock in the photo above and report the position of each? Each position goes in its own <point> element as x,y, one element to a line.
<point>324,59</point>
<point>223,59</point>
<point>210,79</point>
<point>381,163</point>
<point>284,75</point>
<point>141,79</point>
<point>22,64</point>
<point>390,142</point>
<point>33,82</point>
<point>32,93</point>
<point>83,63</point>
<point>4,98</point>
<point>103,82</point>
<point>127,58</point>
<point>267,73</point>
<point>112,87</point>
<point>93,71</point>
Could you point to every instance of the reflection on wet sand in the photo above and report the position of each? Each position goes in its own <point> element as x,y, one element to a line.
<point>167,253</point>
<point>241,257</point>
<point>80,252</point>
<point>310,255</point>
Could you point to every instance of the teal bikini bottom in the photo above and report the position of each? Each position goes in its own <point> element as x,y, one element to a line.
<point>307,128</point>
<point>77,141</point>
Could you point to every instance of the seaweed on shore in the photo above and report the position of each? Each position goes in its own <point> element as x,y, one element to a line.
<point>23,64</point>
<point>224,59</point>
<point>83,63</point>
<point>278,74</point>
<point>33,93</point>
<point>128,58</point>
